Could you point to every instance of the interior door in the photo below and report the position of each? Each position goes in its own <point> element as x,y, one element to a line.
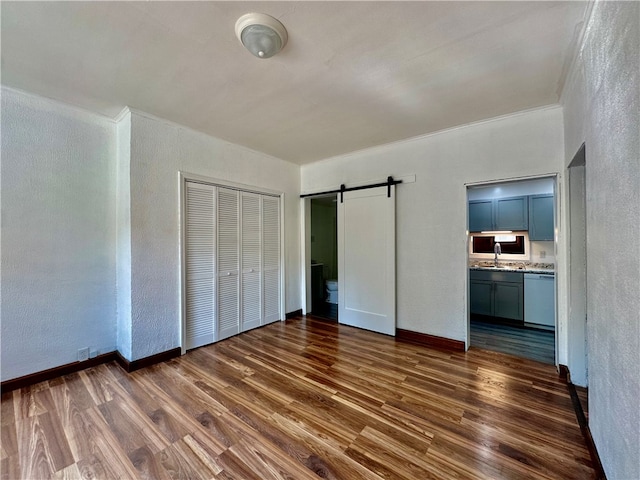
<point>366,260</point>
<point>251,248</point>
<point>228,264</point>
<point>271,260</point>
<point>200,236</point>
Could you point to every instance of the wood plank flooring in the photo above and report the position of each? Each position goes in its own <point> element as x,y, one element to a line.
<point>300,400</point>
<point>529,343</point>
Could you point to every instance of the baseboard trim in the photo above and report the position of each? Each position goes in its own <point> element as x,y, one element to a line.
<point>133,365</point>
<point>565,375</point>
<point>429,340</point>
<point>51,373</point>
<point>294,314</point>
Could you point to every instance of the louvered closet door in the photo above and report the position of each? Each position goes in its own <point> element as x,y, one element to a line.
<point>228,256</point>
<point>270,259</point>
<point>251,247</point>
<point>200,264</point>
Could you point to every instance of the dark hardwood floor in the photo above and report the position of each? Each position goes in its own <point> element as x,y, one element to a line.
<point>529,343</point>
<point>326,310</point>
<point>299,400</point>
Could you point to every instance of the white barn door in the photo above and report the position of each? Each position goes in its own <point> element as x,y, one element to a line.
<point>366,260</point>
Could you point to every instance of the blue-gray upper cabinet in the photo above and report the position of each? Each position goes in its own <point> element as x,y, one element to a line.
<point>541,217</point>
<point>511,213</point>
<point>480,215</point>
<point>499,214</point>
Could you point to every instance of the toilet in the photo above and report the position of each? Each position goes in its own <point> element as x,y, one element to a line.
<point>332,291</point>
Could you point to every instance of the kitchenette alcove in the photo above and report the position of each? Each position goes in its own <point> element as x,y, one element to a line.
<point>512,267</point>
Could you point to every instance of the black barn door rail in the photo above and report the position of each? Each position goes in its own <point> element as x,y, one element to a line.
<point>390,181</point>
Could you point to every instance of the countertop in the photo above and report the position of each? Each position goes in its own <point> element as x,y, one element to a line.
<point>524,267</point>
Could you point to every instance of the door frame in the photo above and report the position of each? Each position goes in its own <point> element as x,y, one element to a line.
<point>183,178</point>
<point>305,232</point>
<point>557,182</point>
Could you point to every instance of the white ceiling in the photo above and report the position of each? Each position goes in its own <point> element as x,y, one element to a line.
<point>353,75</point>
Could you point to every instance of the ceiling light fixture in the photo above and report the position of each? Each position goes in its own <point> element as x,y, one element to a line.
<point>261,34</point>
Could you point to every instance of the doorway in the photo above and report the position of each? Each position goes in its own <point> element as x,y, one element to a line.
<point>365,234</point>
<point>324,257</point>
<point>577,325</point>
<point>511,253</point>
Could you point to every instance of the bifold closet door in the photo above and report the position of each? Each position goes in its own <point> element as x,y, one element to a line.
<point>251,247</point>
<point>232,262</point>
<point>228,256</point>
<point>200,264</point>
<point>271,259</point>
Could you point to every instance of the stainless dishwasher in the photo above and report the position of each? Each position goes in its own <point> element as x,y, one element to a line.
<point>539,299</point>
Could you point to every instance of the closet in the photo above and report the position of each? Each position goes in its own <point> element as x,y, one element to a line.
<point>232,261</point>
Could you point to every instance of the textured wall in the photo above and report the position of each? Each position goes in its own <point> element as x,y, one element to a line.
<point>58,236</point>
<point>123,233</point>
<point>159,150</point>
<point>601,104</point>
<point>431,213</point>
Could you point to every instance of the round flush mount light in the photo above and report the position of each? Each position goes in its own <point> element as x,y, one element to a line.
<point>261,34</point>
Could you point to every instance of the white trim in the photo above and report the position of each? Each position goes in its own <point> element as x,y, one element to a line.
<point>577,48</point>
<point>283,277</point>
<point>201,132</point>
<point>69,107</point>
<point>305,254</point>
<point>193,177</point>
<point>182,267</point>
<point>372,150</point>
<point>512,179</point>
<point>123,113</point>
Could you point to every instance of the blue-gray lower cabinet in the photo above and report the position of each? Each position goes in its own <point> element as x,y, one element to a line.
<point>481,297</point>
<point>497,294</point>
<point>541,225</point>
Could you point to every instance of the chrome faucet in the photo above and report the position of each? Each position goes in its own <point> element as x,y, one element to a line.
<point>497,250</point>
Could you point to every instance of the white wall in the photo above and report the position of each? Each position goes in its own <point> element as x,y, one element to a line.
<point>159,150</point>
<point>432,214</point>
<point>58,235</point>
<point>123,233</point>
<point>602,108</point>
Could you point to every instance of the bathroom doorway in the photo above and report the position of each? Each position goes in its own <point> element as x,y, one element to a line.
<point>324,257</point>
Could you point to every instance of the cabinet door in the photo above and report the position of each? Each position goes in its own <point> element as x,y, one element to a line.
<point>480,215</point>
<point>511,213</point>
<point>508,300</point>
<point>481,298</point>
<point>541,217</point>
